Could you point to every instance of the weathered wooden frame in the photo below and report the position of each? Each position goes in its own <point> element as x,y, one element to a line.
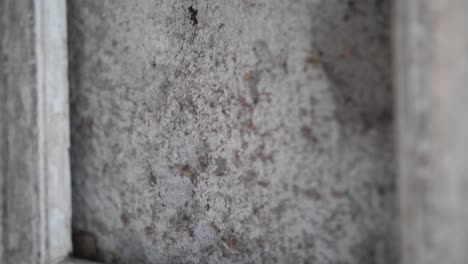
<point>34,133</point>
<point>431,69</point>
<point>431,49</point>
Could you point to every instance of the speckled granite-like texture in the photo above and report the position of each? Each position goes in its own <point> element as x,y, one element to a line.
<point>253,131</point>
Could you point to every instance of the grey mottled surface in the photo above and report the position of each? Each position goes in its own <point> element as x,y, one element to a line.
<point>19,212</point>
<point>233,131</point>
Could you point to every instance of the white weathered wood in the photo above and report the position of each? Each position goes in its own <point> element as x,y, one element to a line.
<point>34,127</point>
<point>53,117</point>
<point>431,43</point>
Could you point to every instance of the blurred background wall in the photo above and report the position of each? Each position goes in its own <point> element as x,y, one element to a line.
<point>232,131</point>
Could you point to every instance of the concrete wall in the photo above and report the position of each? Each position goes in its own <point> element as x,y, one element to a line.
<point>232,131</point>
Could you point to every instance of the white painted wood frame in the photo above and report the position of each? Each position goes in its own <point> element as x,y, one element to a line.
<point>431,49</point>
<point>35,186</point>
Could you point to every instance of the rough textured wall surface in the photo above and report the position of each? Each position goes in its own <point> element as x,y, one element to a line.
<point>233,131</point>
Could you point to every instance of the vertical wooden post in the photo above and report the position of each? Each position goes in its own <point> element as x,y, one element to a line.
<point>35,210</point>
<point>53,124</point>
<point>431,47</point>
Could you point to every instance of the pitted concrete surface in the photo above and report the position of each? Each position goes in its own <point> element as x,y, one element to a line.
<point>233,131</point>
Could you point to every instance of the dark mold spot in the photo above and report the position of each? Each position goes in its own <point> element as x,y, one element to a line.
<point>262,51</point>
<point>260,154</point>
<point>252,79</point>
<point>351,5</point>
<point>203,162</point>
<point>221,167</point>
<point>313,100</point>
<point>280,209</point>
<point>182,221</point>
<point>150,231</point>
<point>263,183</point>
<point>337,194</point>
<point>87,125</point>
<point>124,218</point>
<point>152,179</point>
<point>380,5</point>
<point>215,228</point>
<point>187,171</point>
<point>193,15</point>
<point>249,177</point>
<point>307,134</point>
<point>386,116</point>
<point>381,190</point>
<point>312,194</point>
<point>346,18</point>
<point>231,241</point>
<point>256,210</point>
<point>315,57</point>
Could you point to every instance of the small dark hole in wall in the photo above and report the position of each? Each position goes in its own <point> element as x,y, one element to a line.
<point>193,15</point>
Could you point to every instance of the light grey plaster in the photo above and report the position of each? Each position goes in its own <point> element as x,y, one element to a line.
<point>251,132</point>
